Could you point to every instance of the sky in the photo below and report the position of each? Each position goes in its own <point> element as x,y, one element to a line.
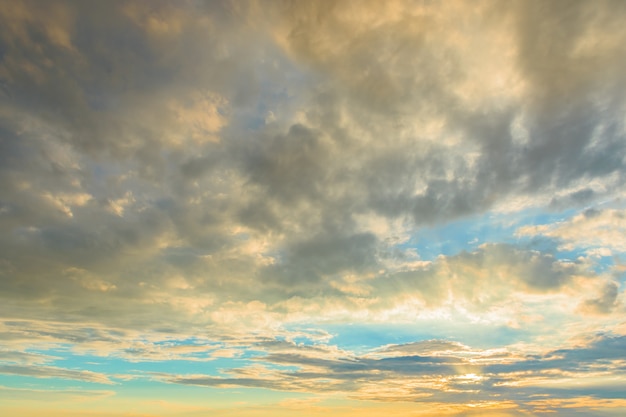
<point>312,208</point>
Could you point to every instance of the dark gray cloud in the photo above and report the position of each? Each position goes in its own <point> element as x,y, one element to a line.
<point>324,256</point>
<point>477,376</point>
<point>99,158</point>
<point>606,302</point>
<point>424,347</point>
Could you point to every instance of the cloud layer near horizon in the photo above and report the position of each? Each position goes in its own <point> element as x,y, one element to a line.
<point>194,181</point>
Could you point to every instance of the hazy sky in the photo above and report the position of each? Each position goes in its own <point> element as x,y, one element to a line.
<point>312,208</point>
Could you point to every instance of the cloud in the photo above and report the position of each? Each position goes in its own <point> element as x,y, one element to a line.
<point>605,302</point>
<point>598,231</point>
<point>151,162</point>
<point>407,47</point>
<point>55,372</point>
<point>473,374</point>
<point>9,393</point>
<point>428,347</point>
<point>192,181</point>
<point>17,357</point>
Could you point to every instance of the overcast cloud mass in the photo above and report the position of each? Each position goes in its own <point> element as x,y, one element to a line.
<point>307,208</point>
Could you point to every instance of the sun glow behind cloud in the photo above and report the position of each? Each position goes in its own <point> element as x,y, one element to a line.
<point>310,208</point>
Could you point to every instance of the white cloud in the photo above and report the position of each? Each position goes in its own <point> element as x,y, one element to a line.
<point>598,231</point>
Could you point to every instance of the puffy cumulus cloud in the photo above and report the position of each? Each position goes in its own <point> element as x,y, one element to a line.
<point>137,135</point>
<point>495,283</point>
<point>606,300</point>
<point>419,72</point>
<point>400,53</point>
<point>597,231</point>
<point>207,174</point>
